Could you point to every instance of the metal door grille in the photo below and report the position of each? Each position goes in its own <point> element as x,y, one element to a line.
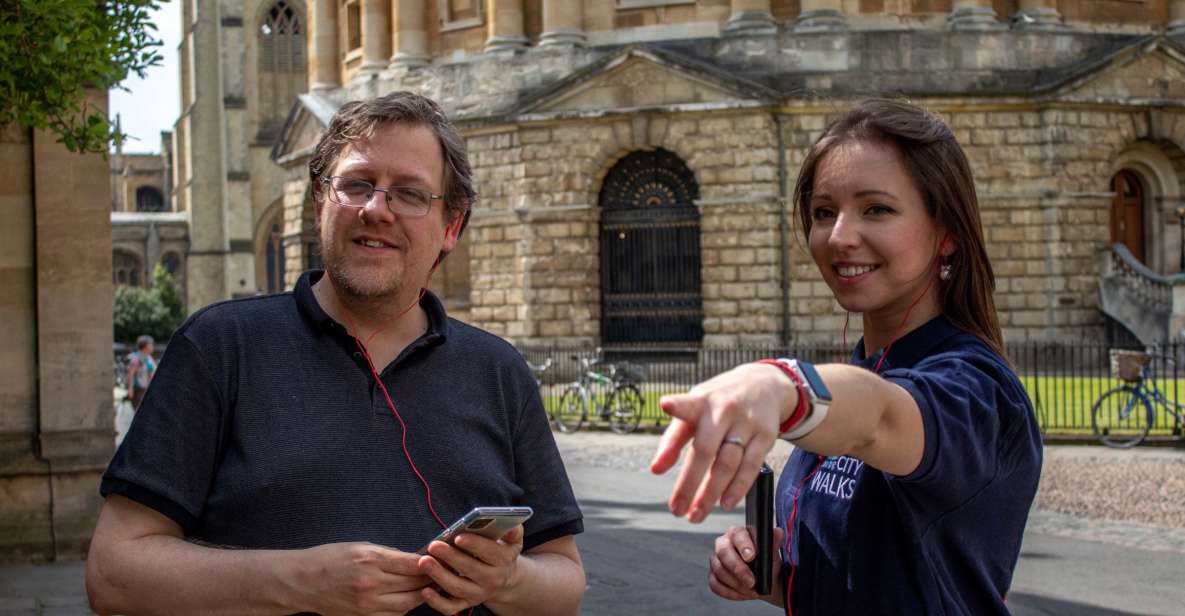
<point>650,253</point>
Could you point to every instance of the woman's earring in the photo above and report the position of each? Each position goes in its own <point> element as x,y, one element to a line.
<point>944,270</point>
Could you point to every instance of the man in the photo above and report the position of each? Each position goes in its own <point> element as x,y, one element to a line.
<point>141,367</point>
<point>327,434</point>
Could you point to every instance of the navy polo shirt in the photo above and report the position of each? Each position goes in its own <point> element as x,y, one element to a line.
<point>943,539</point>
<point>264,428</point>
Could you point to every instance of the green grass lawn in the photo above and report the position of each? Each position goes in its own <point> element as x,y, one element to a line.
<point>1062,403</point>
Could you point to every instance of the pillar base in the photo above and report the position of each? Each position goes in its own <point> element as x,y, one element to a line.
<point>976,18</point>
<point>324,86</point>
<point>750,23</point>
<point>1042,19</point>
<point>372,67</point>
<point>505,43</point>
<point>408,60</point>
<point>562,37</point>
<point>823,20</point>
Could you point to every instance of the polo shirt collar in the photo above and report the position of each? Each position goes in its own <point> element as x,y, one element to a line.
<point>908,350</point>
<point>306,303</point>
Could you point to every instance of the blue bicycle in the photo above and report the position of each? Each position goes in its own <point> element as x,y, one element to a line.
<point>1122,416</point>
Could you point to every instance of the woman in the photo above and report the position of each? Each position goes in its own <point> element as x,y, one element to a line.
<point>908,492</point>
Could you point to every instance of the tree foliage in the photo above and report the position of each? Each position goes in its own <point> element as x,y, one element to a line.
<point>157,311</point>
<point>52,51</point>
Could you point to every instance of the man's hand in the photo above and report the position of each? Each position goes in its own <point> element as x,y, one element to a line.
<point>358,578</point>
<point>476,571</point>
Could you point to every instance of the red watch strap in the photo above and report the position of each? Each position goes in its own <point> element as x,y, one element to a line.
<point>799,412</point>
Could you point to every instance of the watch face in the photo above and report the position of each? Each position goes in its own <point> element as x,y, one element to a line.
<point>812,379</point>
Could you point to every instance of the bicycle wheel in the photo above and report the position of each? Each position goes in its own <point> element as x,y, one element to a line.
<point>1121,417</point>
<point>625,409</point>
<point>570,414</point>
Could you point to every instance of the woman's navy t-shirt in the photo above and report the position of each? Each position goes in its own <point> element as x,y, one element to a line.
<point>943,539</point>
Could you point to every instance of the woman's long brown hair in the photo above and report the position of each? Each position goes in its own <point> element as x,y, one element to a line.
<point>941,173</point>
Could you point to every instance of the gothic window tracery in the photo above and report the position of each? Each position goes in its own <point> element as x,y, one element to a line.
<point>282,64</point>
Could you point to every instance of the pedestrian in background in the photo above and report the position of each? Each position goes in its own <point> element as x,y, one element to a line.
<point>916,465</point>
<point>141,368</point>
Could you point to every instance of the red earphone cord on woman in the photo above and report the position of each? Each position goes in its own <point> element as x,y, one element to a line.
<point>819,464</point>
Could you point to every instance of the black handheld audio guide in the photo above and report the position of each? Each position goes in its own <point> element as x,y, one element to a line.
<point>759,519</point>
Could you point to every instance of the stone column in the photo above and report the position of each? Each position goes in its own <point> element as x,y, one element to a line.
<point>1176,18</point>
<point>973,15</point>
<point>411,38</point>
<point>750,17</point>
<point>376,35</point>
<point>563,23</point>
<point>506,25</point>
<point>324,68</point>
<point>818,15</point>
<point>1037,15</point>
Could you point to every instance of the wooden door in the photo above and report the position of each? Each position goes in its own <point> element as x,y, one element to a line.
<point>1127,213</point>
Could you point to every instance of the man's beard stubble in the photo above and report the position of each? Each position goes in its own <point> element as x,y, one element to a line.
<point>387,286</point>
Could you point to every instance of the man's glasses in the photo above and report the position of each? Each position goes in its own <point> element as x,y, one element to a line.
<point>401,200</point>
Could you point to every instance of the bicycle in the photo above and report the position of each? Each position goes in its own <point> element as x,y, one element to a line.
<point>1122,416</point>
<point>621,407</point>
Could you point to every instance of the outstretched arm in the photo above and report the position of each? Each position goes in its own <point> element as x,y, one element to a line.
<point>870,418</point>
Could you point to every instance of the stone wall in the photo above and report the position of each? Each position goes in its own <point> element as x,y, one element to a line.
<point>56,420</point>
<point>1041,178</point>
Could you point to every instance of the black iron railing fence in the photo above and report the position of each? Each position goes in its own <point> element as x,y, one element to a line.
<point>1063,380</point>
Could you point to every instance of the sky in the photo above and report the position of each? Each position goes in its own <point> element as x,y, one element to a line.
<point>153,103</point>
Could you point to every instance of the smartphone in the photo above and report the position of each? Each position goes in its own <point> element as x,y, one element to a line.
<point>491,522</point>
<point>759,519</point>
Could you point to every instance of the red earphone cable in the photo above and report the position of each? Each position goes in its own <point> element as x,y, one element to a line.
<point>876,369</point>
<point>790,532</point>
<point>403,426</point>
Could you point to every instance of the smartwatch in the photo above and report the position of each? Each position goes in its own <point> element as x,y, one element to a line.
<point>818,398</point>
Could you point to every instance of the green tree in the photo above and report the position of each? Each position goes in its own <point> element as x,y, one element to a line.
<point>157,311</point>
<point>52,51</point>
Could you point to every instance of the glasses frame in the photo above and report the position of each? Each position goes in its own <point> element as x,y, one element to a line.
<point>387,199</point>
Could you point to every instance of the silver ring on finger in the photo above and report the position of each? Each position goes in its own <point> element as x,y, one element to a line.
<point>734,440</point>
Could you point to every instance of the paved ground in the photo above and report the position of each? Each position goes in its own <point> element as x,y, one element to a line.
<point>1069,565</point>
<point>642,560</point>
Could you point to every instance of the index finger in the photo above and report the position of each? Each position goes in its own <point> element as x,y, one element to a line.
<point>674,438</point>
<point>490,551</point>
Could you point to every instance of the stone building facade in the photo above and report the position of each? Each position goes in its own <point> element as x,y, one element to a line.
<point>56,433</point>
<point>242,64</point>
<point>145,229</point>
<point>1072,114</point>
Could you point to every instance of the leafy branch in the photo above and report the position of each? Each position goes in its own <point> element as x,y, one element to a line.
<point>53,51</point>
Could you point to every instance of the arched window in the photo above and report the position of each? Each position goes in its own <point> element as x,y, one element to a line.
<point>274,255</point>
<point>282,63</point>
<point>149,199</point>
<point>650,252</point>
<point>172,263</point>
<point>125,269</point>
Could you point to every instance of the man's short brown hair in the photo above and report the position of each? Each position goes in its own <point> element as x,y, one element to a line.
<point>359,120</point>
